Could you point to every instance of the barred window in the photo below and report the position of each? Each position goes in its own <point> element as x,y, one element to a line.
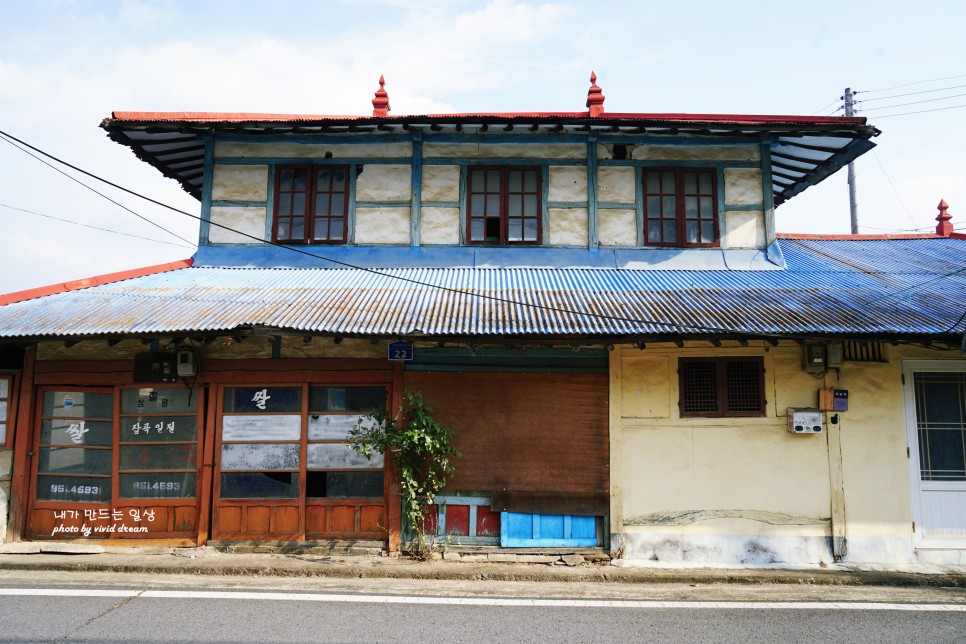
<point>716,387</point>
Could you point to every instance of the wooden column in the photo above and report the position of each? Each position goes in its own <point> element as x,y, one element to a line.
<point>22,444</point>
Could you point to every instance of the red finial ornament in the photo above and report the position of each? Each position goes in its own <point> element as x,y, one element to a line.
<point>595,97</point>
<point>380,104</point>
<point>945,226</point>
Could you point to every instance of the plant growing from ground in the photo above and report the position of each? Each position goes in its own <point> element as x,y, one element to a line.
<point>421,449</point>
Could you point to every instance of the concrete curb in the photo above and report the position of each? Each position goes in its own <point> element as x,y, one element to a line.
<point>370,567</point>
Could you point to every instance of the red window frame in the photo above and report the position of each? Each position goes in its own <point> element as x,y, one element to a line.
<point>669,201</point>
<point>320,206</point>
<point>498,190</point>
<point>10,417</point>
<point>720,387</point>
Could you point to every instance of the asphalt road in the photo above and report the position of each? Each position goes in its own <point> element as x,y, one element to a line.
<point>47,607</point>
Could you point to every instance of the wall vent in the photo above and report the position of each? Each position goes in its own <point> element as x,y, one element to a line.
<point>865,351</point>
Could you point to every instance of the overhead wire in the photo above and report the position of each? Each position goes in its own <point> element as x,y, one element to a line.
<point>928,100</point>
<point>925,91</point>
<point>938,109</point>
<point>457,291</point>
<point>106,230</point>
<point>893,186</point>
<point>919,82</point>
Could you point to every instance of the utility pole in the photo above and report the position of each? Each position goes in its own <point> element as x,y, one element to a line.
<point>853,207</point>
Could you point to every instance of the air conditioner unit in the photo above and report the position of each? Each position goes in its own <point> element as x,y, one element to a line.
<point>805,421</point>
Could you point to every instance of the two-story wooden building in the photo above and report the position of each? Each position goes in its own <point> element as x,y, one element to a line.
<point>597,303</point>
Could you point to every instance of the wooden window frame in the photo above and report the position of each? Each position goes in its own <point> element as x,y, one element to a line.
<point>680,212</point>
<point>504,206</point>
<point>11,417</point>
<point>311,195</point>
<point>721,381</point>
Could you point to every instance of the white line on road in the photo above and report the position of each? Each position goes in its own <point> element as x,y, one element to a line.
<point>479,601</point>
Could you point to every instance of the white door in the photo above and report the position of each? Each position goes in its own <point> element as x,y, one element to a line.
<point>935,394</point>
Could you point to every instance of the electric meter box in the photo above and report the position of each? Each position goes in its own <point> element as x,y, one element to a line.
<point>805,421</point>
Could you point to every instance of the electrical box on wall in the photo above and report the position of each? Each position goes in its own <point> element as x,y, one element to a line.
<point>155,367</point>
<point>805,421</point>
<point>833,399</point>
<point>813,358</point>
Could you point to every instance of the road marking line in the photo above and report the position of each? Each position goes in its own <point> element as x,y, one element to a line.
<point>482,601</point>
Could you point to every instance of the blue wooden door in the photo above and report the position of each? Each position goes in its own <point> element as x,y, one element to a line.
<point>520,530</point>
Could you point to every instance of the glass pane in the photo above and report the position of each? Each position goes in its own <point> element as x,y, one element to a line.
<point>322,205</point>
<point>530,230</point>
<point>654,231</point>
<point>337,207</point>
<point>331,426</point>
<point>3,432</point>
<point>322,179</point>
<point>667,182</point>
<point>691,207</point>
<point>73,488</point>
<point>336,226</point>
<point>340,456</point>
<point>158,457</point>
<point>691,232</point>
<point>280,427</point>
<point>670,231</point>
<point>477,179</point>
<point>706,208</point>
<point>168,429</point>
<point>181,485</point>
<point>515,230</point>
<point>515,205</point>
<point>492,180</point>
<point>476,230</point>
<point>76,432</point>
<point>707,232</point>
<point>260,485</point>
<point>690,183</point>
<point>338,180</point>
<point>668,207</point>
<point>941,421</point>
<point>654,206</point>
<point>158,401</point>
<point>653,182</point>
<point>259,456</point>
<point>285,203</point>
<point>301,177</point>
<point>704,183</point>
<point>74,460</point>
<point>344,484</point>
<point>364,399</point>
<point>699,383</point>
<point>4,387</point>
<point>514,181</point>
<point>743,386</point>
<point>298,228</point>
<point>493,205</point>
<point>263,399</point>
<point>530,206</point>
<point>476,205</point>
<point>283,230</point>
<point>285,179</point>
<point>530,181</point>
<point>298,203</point>
<point>78,404</point>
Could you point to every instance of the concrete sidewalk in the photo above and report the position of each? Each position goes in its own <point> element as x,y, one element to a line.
<point>552,567</point>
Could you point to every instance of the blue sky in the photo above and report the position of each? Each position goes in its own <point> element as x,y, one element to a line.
<point>65,65</point>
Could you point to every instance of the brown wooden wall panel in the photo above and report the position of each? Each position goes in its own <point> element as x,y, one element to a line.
<point>286,519</point>
<point>185,519</point>
<point>537,432</point>
<point>258,518</point>
<point>343,518</point>
<point>229,519</point>
<point>315,519</point>
<point>372,518</point>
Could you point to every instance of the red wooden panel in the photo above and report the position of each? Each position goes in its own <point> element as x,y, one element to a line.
<point>458,520</point>
<point>286,519</point>
<point>430,519</point>
<point>41,524</point>
<point>315,519</point>
<point>229,518</point>
<point>487,522</point>
<point>185,519</point>
<point>343,518</point>
<point>258,518</point>
<point>372,519</point>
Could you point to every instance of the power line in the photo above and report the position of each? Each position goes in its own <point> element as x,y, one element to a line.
<point>7,138</point>
<point>925,91</point>
<point>938,109</point>
<point>928,100</point>
<point>822,109</point>
<point>106,230</point>
<point>448,289</point>
<point>920,82</point>
<point>889,179</point>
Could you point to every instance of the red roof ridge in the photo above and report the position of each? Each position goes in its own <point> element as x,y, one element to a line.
<point>97,280</point>
<point>859,236</point>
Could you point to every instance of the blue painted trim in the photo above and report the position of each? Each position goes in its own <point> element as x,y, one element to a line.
<point>317,139</point>
<point>547,543</point>
<point>462,204</point>
<point>383,204</point>
<point>351,215</point>
<point>567,204</point>
<point>545,204</point>
<point>204,229</point>
<point>508,541</point>
<point>593,238</point>
<point>681,164</point>
<point>270,204</point>
<point>615,205</point>
<point>229,203</point>
<point>416,190</point>
<point>753,206</point>
<point>527,161</point>
<point>720,190</point>
<point>462,500</point>
<point>639,203</point>
<point>440,204</point>
<point>311,160</point>
<point>768,202</point>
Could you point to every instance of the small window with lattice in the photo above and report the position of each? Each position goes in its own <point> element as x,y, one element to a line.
<point>717,387</point>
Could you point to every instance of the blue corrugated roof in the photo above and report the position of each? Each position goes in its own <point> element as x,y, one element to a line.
<point>847,288</point>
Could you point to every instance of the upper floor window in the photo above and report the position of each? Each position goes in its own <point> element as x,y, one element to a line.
<point>6,408</point>
<point>311,203</point>
<point>680,207</point>
<point>718,387</point>
<point>503,206</point>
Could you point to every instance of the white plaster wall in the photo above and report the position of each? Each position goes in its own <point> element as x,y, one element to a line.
<point>239,182</point>
<point>567,183</point>
<point>382,226</point>
<point>568,227</point>
<point>380,182</point>
<point>616,184</point>
<point>312,150</point>
<point>505,150</point>
<point>743,186</point>
<point>439,225</point>
<point>694,153</point>
<point>440,183</point>
<point>616,227</point>
<point>744,229</point>
<point>250,220</point>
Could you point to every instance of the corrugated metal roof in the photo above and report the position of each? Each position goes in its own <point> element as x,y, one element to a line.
<point>849,288</point>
